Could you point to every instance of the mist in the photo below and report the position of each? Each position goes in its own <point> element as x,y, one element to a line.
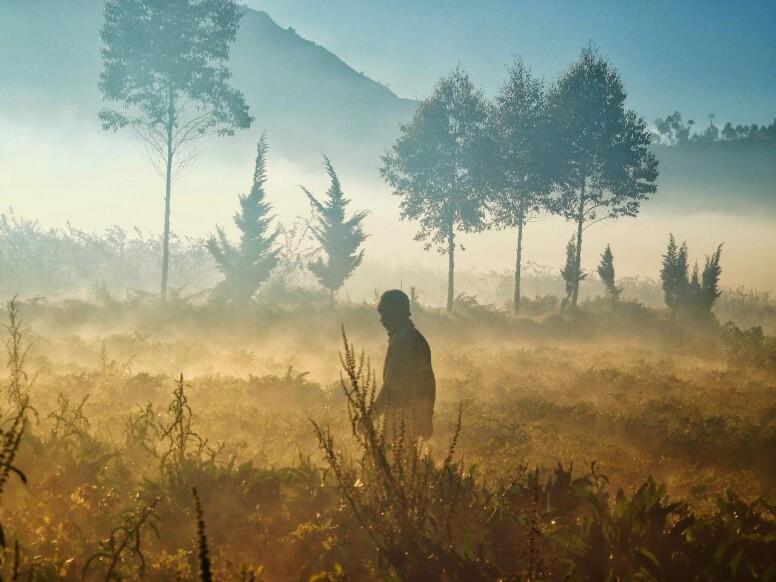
<point>387,290</point>
<point>66,175</point>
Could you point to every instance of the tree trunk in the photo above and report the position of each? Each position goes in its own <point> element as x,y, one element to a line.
<point>519,260</point>
<point>450,269</point>
<point>580,224</point>
<point>167,196</point>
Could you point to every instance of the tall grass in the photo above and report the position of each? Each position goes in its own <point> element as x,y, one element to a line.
<point>401,499</point>
<point>124,545</point>
<point>117,450</point>
<point>203,552</point>
<point>13,422</point>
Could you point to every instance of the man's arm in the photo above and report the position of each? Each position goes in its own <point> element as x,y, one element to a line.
<point>381,402</point>
<point>393,375</point>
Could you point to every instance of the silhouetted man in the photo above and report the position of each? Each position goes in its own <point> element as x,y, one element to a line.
<point>409,386</point>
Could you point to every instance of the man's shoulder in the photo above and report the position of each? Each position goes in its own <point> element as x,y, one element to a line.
<point>411,335</point>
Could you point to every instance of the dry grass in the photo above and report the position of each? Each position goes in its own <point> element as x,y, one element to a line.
<point>120,439</point>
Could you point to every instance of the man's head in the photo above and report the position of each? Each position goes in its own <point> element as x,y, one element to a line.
<point>394,309</point>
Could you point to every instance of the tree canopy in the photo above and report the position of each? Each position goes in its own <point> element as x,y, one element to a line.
<point>519,124</point>
<point>159,54</point>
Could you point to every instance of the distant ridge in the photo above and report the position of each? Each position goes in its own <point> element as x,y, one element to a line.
<point>309,98</point>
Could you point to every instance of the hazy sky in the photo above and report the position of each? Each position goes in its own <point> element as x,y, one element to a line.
<point>698,56</point>
<point>692,56</point>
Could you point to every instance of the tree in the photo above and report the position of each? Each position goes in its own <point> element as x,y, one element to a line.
<point>603,168</point>
<point>520,185</point>
<point>709,290</point>
<point>606,273</point>
<point>667,274</point>
<point>165,64</point>
<point>672,130</point>
<point>248,265</point>
<point>674,273</point>
<point>730,133</point>
<point>690,293</point>
<point>339,238</point>
<point>571,272</point>
<point>436,167</point>
<point>710,134</point>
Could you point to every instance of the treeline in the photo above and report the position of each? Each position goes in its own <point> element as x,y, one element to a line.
<point>68,261</point>
<point>673,130</point>
<point>463,164</point>
<point>122,266</point>
<point>570,148</point>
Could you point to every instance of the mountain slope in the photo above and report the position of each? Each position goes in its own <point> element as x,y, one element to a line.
<point>307,97</point>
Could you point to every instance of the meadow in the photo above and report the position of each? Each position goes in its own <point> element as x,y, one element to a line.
<point>610,442</point>
<point>218,422</point>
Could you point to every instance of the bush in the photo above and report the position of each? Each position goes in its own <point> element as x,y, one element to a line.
<point>748,347</point>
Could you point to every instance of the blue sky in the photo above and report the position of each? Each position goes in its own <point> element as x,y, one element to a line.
<point>699,57</point>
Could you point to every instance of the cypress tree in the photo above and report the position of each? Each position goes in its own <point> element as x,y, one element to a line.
<point>674,275</point>
<point>571,272</point>
<point>606,273</point>
<point>691,292</point>
<point>667,269</point>
<point>682,276</point>
<point>340,238</point>
<point>709,287</point>
<point>249,264</point>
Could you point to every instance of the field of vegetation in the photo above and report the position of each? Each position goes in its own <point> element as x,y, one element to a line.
<point>592,428</point>
<point>609,442</point>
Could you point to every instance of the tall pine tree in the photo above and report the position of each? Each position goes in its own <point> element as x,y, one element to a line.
<point>709,288</point>
<point>667,280</point>
<point>340,238</point>
<point>249,264</point>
